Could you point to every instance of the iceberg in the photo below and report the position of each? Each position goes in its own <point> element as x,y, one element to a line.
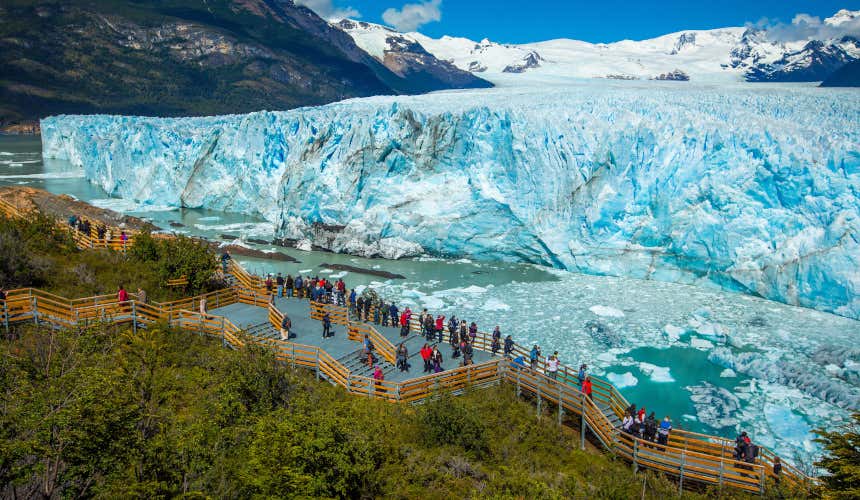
<point>748,189</point>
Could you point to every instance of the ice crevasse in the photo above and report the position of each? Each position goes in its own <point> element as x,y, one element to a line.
<point>753,189</point>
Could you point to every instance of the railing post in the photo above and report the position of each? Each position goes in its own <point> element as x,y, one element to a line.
<point>582,423</point>
<point>223,333</point>
<point>560,404</point>
<point>635,452</point>
<point>317,366</point>
<point>36,310</point>
<point>6,315</point>
<point>519,373</point>
<point>134,317</point>
<point>761,481</point>
<point>397,392</point>
<point>539,398</point>
<point>469,375</point>
<point>683,462</point>
<point>722,468</point>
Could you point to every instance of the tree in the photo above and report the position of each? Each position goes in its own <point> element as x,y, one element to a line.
<point>842,460</point>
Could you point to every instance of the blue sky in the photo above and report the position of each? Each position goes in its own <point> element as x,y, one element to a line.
<point>592,20</point>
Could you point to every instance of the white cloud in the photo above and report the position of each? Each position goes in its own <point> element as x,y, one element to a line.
<point>808,27</point>
<point>413,15</point>
<point>327,10</point>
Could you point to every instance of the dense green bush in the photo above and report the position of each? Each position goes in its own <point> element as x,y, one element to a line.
<point>176,257</point>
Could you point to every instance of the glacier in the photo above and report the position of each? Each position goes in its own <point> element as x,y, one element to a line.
<point>748,188</point>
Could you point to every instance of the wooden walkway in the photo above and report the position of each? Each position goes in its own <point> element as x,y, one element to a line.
<point>245,314</point>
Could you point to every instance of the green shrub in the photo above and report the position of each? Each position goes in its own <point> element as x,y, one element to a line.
<point>447,421</point>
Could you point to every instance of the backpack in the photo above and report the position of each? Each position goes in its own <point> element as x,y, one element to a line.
<point>286,323</point>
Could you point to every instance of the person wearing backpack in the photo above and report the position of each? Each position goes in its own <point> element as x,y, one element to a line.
<point>651,427</point>
<point>437,360</point>
<point>279,281</point>
<point>586,388</point>
<point>394,314</point>
<point>368,350</point>
<point>286,324</point>
<point>509,346</point>
<point>534,357</point>
<point>467,353</point>
<point>403,358</point>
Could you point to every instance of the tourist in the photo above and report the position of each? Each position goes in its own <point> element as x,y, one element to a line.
<point>583,369</point>
<point>367,309</point>
<point>627,423</point>
<point>378,377</point>
<point>741,444</point>
<point>404,324</point>
<point>641,414</point>
<point>108,237</point>
<point>403,358</point>
<point>359,306</point>
<point>341,292</point>
<point>454,338</point>
<point>426,354</point>
<point>326,321</point>
<point>203,308</point>
<point>279,282</point>
<point>376,313</point>
<point>225,259</point>
<point>651,427</point>
<point>586,388</point>
<point>437,360</point>
<point>122,295</point>
<point>408,313</point>
<point>368,350</point>
<point>429,327</point>
<point>497,333</point>
<point>269,284</point>
<point>777,469</point>
<point>551,365</point>
<point>534,357</point>
<point>329,291</point>
<point>394,314</point>
<point>100,232</point>
<point>288,285</point>
<point>384,308</point>
<point>308,285</point>
<point>473,332</point>
<point>421,319</point>
<point>440,326</point>
<point>286,324</point>
<point>495,346</point>
<point>123,238</point>
<point>298,284</point>
<point>141,296</point>
<point>73,221</point>
<point>464,329</point>
<point>467,353</point>
<point>663,431</point>
<point>509,346</point>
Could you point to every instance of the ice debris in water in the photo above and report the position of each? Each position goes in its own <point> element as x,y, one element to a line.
<point>607,311</point>
<point>715,406</point>
<point>643,182</point>
<point>602,333</point>
<point>622,380</point>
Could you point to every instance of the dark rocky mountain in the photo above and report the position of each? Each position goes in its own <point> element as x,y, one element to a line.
<point>846,76</point>
<point>531,60</point>
<point>407,58</point>
<point>814,62</point>
<point>179,57</point>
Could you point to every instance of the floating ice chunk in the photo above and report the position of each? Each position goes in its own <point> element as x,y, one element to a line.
<point>701,344</point>
<point>339,275</point>
<point>728,373</point>
<point>431,302</point>
<point>494,304</point>
<point>656,373</point>
<point>305,271</point>
<point>209,218</point>
<point>672,332</point>
<point>715,406</point>
<point>607,311</point>
<point>305,245</point>
<point>326,271</point>
<point>622,380</point>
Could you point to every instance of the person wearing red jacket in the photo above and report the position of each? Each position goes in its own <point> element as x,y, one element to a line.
<point>440,326</point>
<point>586,388</point>
<point>426,353</point>
<point>122,295</point>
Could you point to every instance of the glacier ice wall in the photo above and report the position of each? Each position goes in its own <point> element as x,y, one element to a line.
<point>753,189</point>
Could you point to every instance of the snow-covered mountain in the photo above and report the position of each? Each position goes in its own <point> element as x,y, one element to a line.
<point>725,54</point>
<point>408,59</point>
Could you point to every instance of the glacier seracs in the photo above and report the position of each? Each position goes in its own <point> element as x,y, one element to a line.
<point>747,188</point>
